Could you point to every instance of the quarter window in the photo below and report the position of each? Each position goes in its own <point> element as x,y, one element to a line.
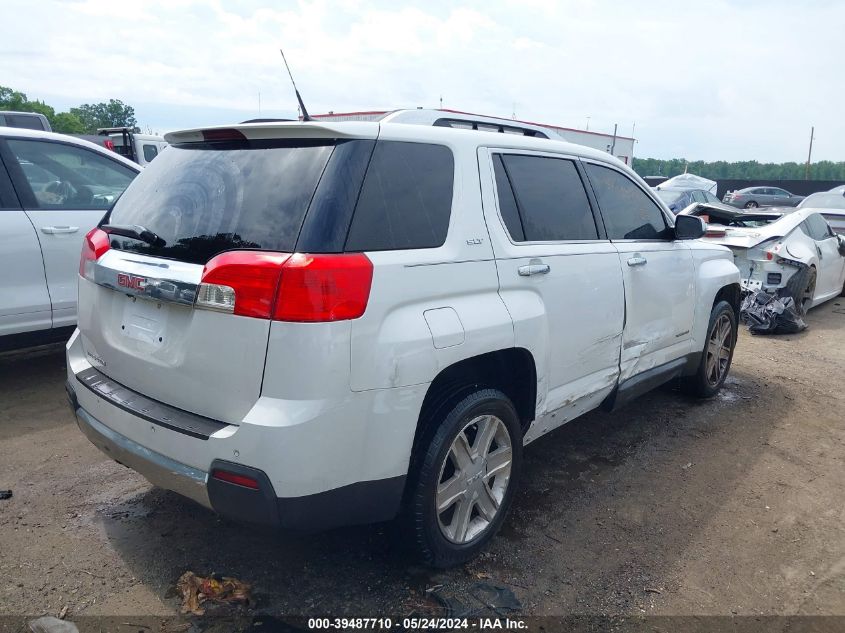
<point>69,177</point>
<point>818,228</point>
<point>629,214</point>
<point>406,198</point>
<point>543,199</point>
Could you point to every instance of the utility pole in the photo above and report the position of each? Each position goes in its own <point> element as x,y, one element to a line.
<point>613,145</point>
<point>588,124</point>
<point>809,155</point>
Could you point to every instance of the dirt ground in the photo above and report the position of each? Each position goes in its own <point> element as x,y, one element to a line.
<point>669,506</point>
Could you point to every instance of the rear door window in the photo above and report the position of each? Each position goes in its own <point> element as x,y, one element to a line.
<point>406,198</point>
<point>205,198</point>
<point>628,212</point>
<point>150,152</point>
<point>547,197</point>
<point>63,176</point>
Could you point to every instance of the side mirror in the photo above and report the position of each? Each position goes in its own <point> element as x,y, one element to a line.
<point>689,227</point>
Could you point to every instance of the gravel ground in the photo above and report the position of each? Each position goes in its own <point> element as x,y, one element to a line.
<point>669,506</point>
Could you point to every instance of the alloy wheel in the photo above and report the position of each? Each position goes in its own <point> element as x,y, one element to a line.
<point>474,478</point>
<point>719,350</point>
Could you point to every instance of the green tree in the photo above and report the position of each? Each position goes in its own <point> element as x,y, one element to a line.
<point>67,123</point>
<point>115,113</point>
<point>12,99</point>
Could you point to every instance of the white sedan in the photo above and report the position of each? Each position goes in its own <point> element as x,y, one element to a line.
<point>792,250</point>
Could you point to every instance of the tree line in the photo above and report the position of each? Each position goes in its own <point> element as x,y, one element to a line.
<point>83,119</point>
<point>746,169</point>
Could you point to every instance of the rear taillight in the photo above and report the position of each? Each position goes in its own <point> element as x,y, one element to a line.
<point>765,250</point>
<point>324,287</point>
<point>241,282</point>
<point>299,287</point>
<point>96,243</point>
<point>108,144</point>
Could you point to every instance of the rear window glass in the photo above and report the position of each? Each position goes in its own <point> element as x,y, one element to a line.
<point>24,121</point>
<point>406,198</point>
<point>205,199</point>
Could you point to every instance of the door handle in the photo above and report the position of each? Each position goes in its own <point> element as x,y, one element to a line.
<point>637,261</point>
<point>533,269</point>
<point>53,230</point>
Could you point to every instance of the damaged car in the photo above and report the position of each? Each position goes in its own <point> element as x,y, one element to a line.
<point>783,252</point>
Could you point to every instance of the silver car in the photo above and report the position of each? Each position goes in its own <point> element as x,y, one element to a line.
<point>753,197</point>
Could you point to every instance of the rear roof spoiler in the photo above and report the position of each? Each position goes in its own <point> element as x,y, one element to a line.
<point>283,130</point>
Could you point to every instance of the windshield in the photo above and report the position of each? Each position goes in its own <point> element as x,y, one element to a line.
<point>669,197</point>
<point>823,201</point>
<point>202,199</point>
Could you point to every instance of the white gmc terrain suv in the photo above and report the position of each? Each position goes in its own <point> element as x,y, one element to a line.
<point>315,324</point>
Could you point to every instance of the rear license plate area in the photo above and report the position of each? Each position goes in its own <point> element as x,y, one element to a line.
<point>145,321</point>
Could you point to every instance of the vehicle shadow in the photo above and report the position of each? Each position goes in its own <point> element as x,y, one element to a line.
<point>604,497</point>
<point>24,405</point>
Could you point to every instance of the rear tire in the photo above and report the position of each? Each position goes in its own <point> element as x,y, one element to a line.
<point>751,204</point>
<point>717,354</point>
<point>463,484</point>
<point>801,287</point>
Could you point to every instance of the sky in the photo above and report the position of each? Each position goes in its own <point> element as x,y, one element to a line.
<point>706,80</point>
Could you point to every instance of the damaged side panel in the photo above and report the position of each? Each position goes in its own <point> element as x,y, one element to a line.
<point>660,302</point>
<point>567,305</point>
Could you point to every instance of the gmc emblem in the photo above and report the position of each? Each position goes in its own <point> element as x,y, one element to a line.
<point>131,281</point>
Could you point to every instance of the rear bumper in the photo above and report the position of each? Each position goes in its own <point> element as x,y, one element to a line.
<point>159,469</point>
<point>362,502</point>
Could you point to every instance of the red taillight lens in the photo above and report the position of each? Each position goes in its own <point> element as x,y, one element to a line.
<point>235,478</point>
<point>299,287</point>
<point>241,282</point>
<point>96,243</point>
<point>108,144</point>
<point>324,287</point>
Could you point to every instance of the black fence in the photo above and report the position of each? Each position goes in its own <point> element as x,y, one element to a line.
<point>798,187</point>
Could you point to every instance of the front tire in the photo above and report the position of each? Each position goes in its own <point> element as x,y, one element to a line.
<point>717,354</point>
<point>464,483</point>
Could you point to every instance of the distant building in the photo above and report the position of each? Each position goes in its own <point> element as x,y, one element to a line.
<point>622,146</point>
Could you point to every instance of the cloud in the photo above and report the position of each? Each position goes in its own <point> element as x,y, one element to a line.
<point>717,80</point>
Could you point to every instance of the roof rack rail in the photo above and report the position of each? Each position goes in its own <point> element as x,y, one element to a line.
<point>487,126</point>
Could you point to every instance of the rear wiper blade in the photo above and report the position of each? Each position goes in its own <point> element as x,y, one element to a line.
<point>136,232</point>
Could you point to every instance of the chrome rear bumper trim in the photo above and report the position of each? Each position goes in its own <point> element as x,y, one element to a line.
<point>159,470</point>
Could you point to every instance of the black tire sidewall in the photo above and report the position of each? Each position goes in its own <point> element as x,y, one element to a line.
<point>431,545</point>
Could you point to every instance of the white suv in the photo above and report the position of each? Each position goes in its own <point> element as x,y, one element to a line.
<point>53,190</point>
<point>309,325</point>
